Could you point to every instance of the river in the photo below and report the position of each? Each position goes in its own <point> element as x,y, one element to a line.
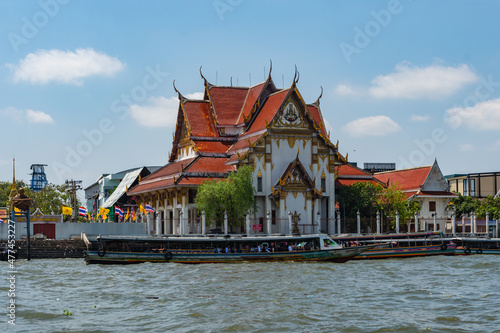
<point>438,294</point>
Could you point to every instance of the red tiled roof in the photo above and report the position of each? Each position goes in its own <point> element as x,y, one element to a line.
<point>168,169</point>
<point>351,170</point>
<point>200,118</point>
<point>227,103</point>
<point>316,115</point>
<point>268,111</point>
<point>348,182</point>
<point>195,180</point>
<point>210,164</point>
<point>147,187</point>
<point>252,96</point>
<point>408,178</point>
<point>243,142</point>
<point>212,146</point>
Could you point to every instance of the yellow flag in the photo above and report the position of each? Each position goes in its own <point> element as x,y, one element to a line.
<point>142,210</point>
<point>134,217</point>
<point>67,210</point>
<point>128,214</point>
<point>17,210</point>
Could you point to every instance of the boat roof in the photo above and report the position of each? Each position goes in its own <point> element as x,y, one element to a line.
<point>347,237</point>
<point>209,238</point>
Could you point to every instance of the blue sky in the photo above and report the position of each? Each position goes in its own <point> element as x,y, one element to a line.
<point>86,86</point>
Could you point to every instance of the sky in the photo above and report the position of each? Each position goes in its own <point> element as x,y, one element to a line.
<point>86,87</point>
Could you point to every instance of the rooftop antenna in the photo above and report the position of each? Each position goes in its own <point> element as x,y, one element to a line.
<point>216,77</point>
<point>231,81</point>
<point>250,76</point>
<point>283,81</point>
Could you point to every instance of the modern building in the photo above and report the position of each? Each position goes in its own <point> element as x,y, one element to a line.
<point>427,185</point>
<point>113,185</point>
<point>283,138</point>
<point>478,185</point>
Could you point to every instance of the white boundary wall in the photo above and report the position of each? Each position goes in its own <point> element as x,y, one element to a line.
<point>67,229</point>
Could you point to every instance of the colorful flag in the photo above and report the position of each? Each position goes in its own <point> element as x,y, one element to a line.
<point>142,210</point>
<point>67,210</point>
<point>149,209</point>
<point>82,211</point>
<point>118,211</point>
<point>17,210</point>
<point>1,221</point>
<point>128,214</point>
<point>134,217</point>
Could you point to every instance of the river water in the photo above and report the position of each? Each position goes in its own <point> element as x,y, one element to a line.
<point>439,294</point>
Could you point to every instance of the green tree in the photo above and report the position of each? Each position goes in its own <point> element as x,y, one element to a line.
<point>50,199</point>
<point>392,199</point>
<point>5,188</point>
<point>234,195</point>
<point>361,196</point>
<point>464,205</point>
<point>490,205</point>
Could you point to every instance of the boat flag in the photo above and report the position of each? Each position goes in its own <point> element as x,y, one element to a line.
<point>118,211</point>
<point>67,210</point>
<point>82,211</point>
<point>149,209</point>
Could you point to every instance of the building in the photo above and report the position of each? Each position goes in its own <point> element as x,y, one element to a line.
<point>427,185</point>
<point>113,185</point>
<point>273,130</point>
<point>479,185</point>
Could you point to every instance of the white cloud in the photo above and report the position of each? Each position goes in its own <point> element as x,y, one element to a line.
<point>27,115</point>
<point>39,117</point>
<point>45,66</point>
<point>344,90</point>
<point>160,111</point>
<point>466,147</point>
<point>419,119</point>
<point>413,82</point>
<point>372,126</point>
<point>483,116</point>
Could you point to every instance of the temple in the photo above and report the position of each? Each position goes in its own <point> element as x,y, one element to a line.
<point>273,130</point>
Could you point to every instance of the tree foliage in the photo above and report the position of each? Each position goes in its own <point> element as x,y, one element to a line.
<point>464,205</point>
<point>234,195</point>
<point>49,200</point>
<point>361,196</point>
<point>392,199</point>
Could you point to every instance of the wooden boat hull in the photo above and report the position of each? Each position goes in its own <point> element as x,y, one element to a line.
<point>194,257</point>
<point>405,252</point>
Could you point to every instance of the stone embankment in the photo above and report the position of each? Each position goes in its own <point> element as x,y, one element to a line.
<point>49,248</point>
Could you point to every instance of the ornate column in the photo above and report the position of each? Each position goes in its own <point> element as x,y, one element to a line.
<point>268,215</point>
<point>290,223</point>
<point>338,222</point>
<point>225,224</point>
<point>203,223</point>
<point>453,222</point>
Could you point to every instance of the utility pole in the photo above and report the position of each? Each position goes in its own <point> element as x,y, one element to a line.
<point>72,186</point>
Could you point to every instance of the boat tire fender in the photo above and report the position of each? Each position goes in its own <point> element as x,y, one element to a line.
<point>467,250</point>
<point>444,246</point>
<point>168,255</point>
<point>479,251</point>
<point>101,252</point>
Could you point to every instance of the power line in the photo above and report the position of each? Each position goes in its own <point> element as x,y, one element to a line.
<point>72,186</point>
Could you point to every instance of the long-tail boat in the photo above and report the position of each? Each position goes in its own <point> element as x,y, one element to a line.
<point>402,245</point>
<point>218,249</point>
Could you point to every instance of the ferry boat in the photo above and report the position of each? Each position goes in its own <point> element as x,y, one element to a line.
<point>400,245</point>
<point>476,245</point>
<point>217,249</point>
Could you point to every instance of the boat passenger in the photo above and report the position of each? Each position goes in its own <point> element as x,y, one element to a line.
<point>228,249</point>
<point>259,248</point>
<point>290,248</point>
